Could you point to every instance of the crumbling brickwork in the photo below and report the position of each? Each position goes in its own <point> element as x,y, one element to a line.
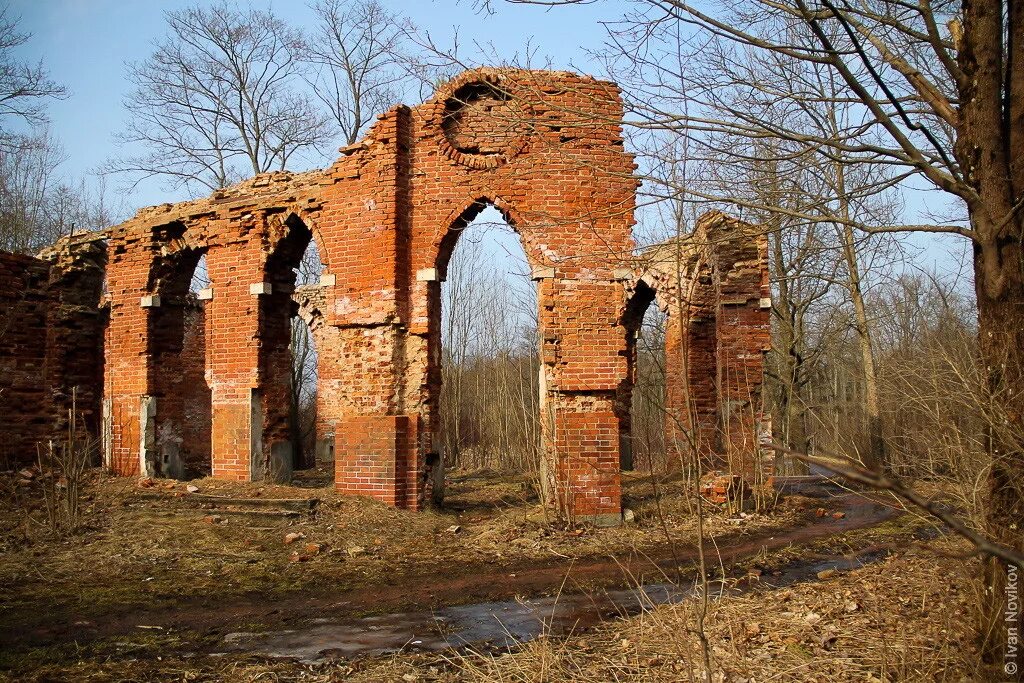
<point>546,150</point>
<point>714,286</point>
<point>24,395</point>
<point>51,343</point>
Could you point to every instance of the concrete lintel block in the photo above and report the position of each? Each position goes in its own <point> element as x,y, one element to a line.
<point>150,301</point>
<point>622,274</point>
<point>328,279</point>
<point>542,273</point>
<point>205,294</point>
<point>766,302</point>
<point>427,275</point>
<point>258,288</point>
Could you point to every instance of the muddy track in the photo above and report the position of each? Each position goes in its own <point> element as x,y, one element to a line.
<point>463,584</point>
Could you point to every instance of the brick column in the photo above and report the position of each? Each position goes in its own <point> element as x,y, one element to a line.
<point>691,391</point>
<point>233,360</point>
<point>584,360</point>
<point>742,328</point>
<point>365,221</point>
<point>129,370</point>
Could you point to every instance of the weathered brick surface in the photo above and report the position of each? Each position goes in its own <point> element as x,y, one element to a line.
<point>545,149</point>
<point>27,415</point>
<point>714,285</point>
<point>51,344</point>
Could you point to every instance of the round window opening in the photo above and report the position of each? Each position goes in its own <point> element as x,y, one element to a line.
<point>483,121</point>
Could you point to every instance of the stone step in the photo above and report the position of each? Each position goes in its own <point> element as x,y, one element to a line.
<point>295,504</point>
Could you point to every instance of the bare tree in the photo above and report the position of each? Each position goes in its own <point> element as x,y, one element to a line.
<point>357,60</point>
<point>28,166</point>
<point>939,88</point>
<point>24,88</point>
<point>219,100</point>
<point>302,412</point>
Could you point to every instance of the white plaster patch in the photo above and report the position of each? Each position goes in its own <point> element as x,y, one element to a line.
<point>542,272</point>
<point>343,305</point>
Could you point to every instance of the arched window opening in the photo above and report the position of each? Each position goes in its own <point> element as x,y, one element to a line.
<point>310,266</point>
<point>200,277</point>
<point>303,397</point>
<point>489,401</point>
<point>178,340</point>
<point>647,406</point>
<point>289,360</point>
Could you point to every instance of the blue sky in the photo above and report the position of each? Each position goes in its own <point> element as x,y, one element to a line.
<point>86,43</point>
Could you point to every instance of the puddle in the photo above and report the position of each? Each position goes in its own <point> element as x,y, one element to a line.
<point>501,625</point>
<point>498,625</point>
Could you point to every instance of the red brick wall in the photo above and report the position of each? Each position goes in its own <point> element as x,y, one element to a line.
<point>716,281</point>
<point>27,414</point>
<point>51,344</point>
<point>544,148</point>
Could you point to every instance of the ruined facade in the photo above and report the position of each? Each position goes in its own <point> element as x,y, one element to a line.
<point>51,344</point>
<point>713,285</point>
<point>190,379</point>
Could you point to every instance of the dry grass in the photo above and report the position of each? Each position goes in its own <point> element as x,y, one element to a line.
<point>901,619</point>
<point>139,551</point>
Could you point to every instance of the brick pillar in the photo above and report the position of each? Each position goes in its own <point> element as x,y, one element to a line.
<point>376,430</point>
<point>740,360</point>
<point>233,360</point>
<point>742,329</point>
<point>376,450</point>
<point>129,369</point>
<point>691,392</point>
<point>587,470</point>
<point>584,357</point>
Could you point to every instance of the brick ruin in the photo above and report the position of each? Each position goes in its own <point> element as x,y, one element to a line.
<point>51,344</point>
<point>203,380</point>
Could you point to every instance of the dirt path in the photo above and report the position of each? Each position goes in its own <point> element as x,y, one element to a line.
<point>463,584</point>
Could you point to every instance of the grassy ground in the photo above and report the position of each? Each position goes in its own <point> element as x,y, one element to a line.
<point>149,548</point>
<point>904,618</point>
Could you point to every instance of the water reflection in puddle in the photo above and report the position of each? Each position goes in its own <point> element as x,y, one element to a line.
<point>497,625</point>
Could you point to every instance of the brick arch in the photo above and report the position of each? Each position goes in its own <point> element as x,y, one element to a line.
<point>639,298</point>
<point>449,232</point>
<point>177,252</point>
<point>176,389</point>
<point>306,218</point>
<point>289,235</point>
<point>382,216</point>
<point>443,247</point>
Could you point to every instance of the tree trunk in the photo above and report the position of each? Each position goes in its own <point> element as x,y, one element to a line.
<point>1001,343</point>
<point>792,407</point>
<point>875,458</point>
<point>990,149</point>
